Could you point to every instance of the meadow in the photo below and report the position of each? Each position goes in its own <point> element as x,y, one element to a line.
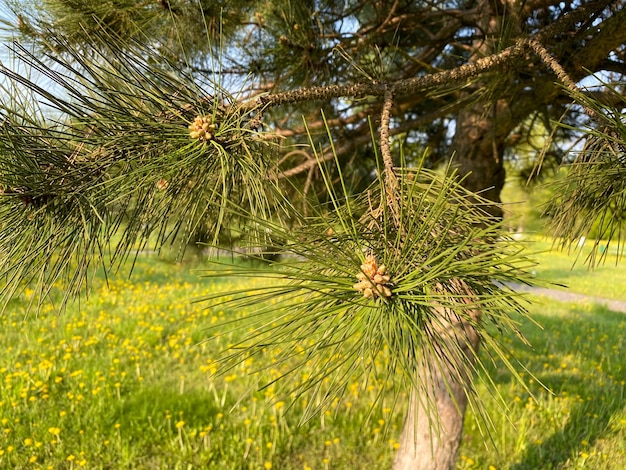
<point>569,267</point>
<point>125,379</point>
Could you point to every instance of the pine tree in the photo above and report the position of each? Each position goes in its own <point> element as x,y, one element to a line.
<point>163,120</point>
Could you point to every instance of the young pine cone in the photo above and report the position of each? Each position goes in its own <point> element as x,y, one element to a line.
<point>202,128</point>
<point>374,281</point>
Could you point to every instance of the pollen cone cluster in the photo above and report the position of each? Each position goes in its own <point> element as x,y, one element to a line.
<point>374,281</point>
<point>162,184</point>
<point>202,128</point>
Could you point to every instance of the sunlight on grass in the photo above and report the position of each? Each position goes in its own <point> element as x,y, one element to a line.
<point>127,381</point>
<point>607,280</point>
<point>581,421</point>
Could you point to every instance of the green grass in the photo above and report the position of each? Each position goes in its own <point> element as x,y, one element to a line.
<point>568,268</point>
<point>579,421</point>
<point>126,381</point>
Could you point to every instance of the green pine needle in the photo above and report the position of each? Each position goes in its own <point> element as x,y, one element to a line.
<point>110,162</point>
<point>446,259</point>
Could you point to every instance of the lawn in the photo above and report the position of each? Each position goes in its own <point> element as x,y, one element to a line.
<point>126,381</point>
<point>568,267</point>
<point>576,415</point>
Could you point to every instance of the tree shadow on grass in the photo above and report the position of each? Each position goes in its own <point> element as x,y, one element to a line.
<point>593,402</point>
<point>157,407</point>
<point>588,422</point>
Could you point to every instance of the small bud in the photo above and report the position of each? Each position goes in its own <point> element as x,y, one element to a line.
<point>373,280</point>
<point>162,184</point>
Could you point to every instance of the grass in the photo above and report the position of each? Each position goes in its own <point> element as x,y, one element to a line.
<point>569,272</point>
<point>126,381</point>
<point>579,421</point>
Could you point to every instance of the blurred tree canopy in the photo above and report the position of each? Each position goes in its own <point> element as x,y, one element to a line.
<point>265,46</point>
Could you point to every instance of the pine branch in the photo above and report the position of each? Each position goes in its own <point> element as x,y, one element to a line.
<point>391,181</point>
<point>404,86</point>
<point>419,85</point>
<point>550,62</point>
<point>135,152</point>
<point>365,283</point>
<point>592,197</point>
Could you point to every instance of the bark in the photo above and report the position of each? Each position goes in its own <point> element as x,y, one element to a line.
<point>434,422</point>
<point>479,144</point>
<point>482,128</point>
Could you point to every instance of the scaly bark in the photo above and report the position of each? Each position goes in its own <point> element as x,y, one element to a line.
<point>434,422</point>
<point>479,144</point>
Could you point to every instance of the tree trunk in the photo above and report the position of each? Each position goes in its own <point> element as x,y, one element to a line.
<point>434,421</point>
<point>428,445</point>
<point>479,144</point>
<point>481,129</point>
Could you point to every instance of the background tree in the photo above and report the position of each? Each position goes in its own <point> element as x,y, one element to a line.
<point>179,117</point>
<point>279,46</point>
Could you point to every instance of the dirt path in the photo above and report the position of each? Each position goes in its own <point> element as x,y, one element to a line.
<point>562,296</point>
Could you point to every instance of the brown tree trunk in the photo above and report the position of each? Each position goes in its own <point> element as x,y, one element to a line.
<point>479,144</point>
<point>434,421</point>
<point>481,129</point>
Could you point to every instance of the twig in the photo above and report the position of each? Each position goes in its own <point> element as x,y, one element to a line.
<point>391,181</point>
<point>561,74</point>
<point>409,85</point>
<point>308,165</point>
